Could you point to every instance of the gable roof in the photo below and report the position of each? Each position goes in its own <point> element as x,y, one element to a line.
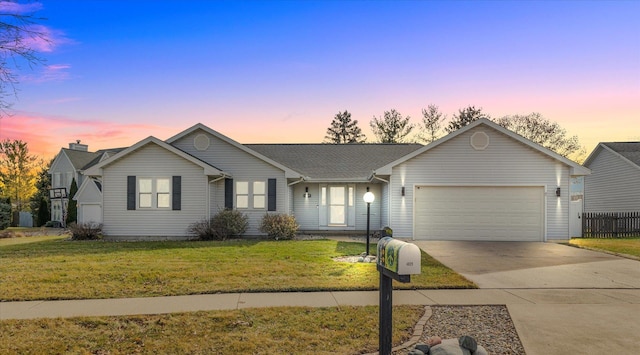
<point>576,169</point>
<point>209,169</point>
<point>628,152</point>
<point>326,162</point>
<point>290,173</point>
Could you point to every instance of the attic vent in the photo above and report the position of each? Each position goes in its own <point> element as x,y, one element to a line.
<point>479,141</point>
<point>201,142</point>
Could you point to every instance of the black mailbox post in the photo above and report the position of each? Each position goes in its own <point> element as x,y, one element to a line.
<point>397,260</point>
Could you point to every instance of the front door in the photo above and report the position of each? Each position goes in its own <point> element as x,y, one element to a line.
<point>337,209</point>
<point>337,206</point>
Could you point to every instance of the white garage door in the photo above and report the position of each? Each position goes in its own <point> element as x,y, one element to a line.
<point>479,213</point>
<point>91,213</point>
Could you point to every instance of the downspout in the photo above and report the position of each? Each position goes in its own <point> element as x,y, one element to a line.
<point>223,176</point>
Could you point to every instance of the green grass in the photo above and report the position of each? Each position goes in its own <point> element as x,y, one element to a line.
<point>60,269</point>
<point>629,246</point>
<point>285,330</point>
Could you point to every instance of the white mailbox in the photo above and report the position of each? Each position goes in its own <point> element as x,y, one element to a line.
<point>399,257</point>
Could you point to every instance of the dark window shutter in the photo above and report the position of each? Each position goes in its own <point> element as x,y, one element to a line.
<point>271,195</point>
<point>176,193</point>
<point>131,192</point>
<point>228,193</point>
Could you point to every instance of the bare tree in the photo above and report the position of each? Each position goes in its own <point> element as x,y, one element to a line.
<point>19,34</point>
<point>344,130</point>
<point>464,117</point>
<point>392,127</point>
<point>544,132</point>
<point>431,124</point>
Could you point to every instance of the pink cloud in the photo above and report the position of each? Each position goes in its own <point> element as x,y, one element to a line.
<point>46,135</point>
<point>54,72</point>
<point>45,39</point>
<point>17,8</point>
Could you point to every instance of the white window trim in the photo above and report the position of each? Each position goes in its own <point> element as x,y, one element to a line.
<point>263,194</point>
<point>154,193</point>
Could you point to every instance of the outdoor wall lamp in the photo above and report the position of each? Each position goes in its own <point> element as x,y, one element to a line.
<point>558,192</point>
<point>402,191</point>
<point>306,192</point>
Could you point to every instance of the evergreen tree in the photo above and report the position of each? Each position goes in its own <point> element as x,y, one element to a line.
<point>44,215</point>
<point>392,127</point>
<point>72,207</point>
<point>344,130</point>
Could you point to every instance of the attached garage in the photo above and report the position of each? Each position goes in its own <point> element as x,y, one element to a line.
<point>495,213</point>
<point>91,213</point>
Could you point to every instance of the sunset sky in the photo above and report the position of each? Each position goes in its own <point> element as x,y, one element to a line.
<point>265,72</point>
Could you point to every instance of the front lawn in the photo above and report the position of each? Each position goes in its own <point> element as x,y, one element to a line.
<point>629,246</point>
<point>284,330</point>
<point>62,269</point>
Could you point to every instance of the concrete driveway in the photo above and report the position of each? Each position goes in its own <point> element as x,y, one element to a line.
<point>534,265</point>
<point>565,300</point>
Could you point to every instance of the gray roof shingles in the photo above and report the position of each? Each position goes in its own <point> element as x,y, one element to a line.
<point>629,150</point>
<point>334,161</point>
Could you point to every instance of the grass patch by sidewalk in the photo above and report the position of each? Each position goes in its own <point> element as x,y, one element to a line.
<point>284,330</point>
<point>61,269</point>
<point>628,246</point>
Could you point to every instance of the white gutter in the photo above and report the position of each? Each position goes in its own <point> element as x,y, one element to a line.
<point>297,181</point>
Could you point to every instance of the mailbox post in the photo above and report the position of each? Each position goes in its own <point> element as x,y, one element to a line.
<point>397,260</point>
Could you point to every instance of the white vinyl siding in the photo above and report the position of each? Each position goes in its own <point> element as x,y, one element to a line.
<point>120,222</point>
<point>613,186</point>
<point>243,167</point>
<point>505,162</point>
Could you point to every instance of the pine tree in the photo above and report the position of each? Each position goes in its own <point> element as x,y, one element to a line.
<point>44,215</point>
<point>344,130</point>
<point>72,207</point>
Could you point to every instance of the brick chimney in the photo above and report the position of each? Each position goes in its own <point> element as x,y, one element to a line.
<point>78,146</point>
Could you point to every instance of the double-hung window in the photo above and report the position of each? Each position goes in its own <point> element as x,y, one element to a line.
<point>154,193</point>
<point>251,194</point>
<point>259,194</point>
<point>242,194</point>
<point>163,193</point>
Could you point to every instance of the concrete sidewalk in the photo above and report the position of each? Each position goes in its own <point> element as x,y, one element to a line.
<point>540,315</point>
<point>514,298</point>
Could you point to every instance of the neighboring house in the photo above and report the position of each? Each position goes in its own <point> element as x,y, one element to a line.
<point>614,184</point>
<point>482,182</point>
<point>67,166</point>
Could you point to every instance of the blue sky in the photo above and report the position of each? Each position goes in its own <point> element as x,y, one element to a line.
<point>279,71</point>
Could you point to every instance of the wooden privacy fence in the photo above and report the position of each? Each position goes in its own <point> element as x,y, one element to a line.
<point>610,224</point>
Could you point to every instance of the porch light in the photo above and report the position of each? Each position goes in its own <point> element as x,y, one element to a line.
<point>402,191</point>
<point>306,192</point>
<point>368,199</point>
<point>558,192</point>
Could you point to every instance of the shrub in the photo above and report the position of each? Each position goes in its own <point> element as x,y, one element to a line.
<point>279,226</point>
<point>5,214</point>
<point>223,225</point>
<point>85,231</point>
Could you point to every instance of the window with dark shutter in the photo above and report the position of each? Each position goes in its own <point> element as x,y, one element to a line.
<point>131,192</point>
<point>271,195</point>
<point>176,193</point>
<point>228,193</point>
